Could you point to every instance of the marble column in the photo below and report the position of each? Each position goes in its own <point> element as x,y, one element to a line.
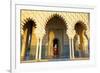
<point>71,34</point>
<point>68,32</point>
<point>72,48</point>
<point>37,49</point>
<point>40,48</point>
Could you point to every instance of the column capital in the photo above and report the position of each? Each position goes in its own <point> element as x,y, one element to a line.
<point>71,33</point>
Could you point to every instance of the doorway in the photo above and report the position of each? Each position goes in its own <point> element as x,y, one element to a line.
<point>56,29</point>
<point>57,40</point>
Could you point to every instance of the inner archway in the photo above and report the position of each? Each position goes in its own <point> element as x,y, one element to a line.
<point>28,29</point>
<point>81,43</point>
<point>56,29</point>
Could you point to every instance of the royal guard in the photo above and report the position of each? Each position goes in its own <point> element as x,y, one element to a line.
<point>55,48</point>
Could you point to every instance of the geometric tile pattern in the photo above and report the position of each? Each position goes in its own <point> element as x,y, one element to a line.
<point>42,17</point>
